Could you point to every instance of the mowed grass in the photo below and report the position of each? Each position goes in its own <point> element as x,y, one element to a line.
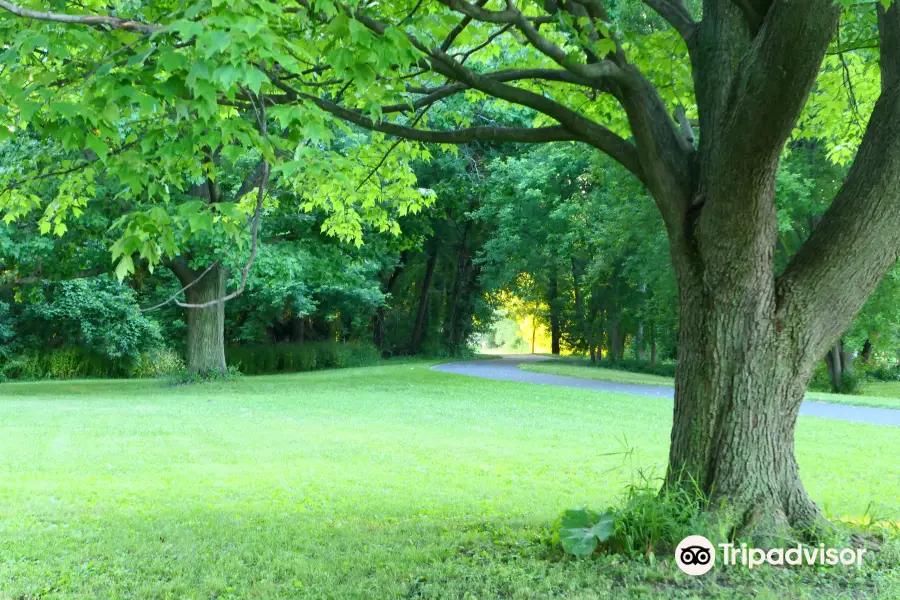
<point>384,482</point>
<point>588,372</point>
<point>879,394</point>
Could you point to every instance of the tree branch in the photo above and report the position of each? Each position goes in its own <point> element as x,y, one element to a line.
<point>774,79</point>
<point>434,94</point>
<point>676,14</point>
<point>93,20</point>
<point>858,239</point>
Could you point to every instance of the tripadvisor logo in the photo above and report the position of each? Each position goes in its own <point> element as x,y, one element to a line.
<point>696,555</point>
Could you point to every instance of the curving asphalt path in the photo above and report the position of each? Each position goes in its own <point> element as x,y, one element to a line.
<point>506,369</point>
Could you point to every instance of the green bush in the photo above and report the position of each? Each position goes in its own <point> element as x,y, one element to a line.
<point>298,357</point>
<point>648,522</point>
<point>64,363</point>
<point>882,371</point>
<point>22,367</point>
<point>158,363</point>
<point>663,369</point>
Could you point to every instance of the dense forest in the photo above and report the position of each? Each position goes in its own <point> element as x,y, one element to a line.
<point>554,236</point>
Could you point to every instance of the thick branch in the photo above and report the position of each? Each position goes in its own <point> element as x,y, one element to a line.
<point>858,239</point>
<point>93,20</point>
<point>435,94</point>
<point>525,135</point>
<point>775,78</point>
<point>676,14</point>
<point>586,129</point>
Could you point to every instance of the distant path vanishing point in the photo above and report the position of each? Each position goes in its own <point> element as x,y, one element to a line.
<point>506,369</point>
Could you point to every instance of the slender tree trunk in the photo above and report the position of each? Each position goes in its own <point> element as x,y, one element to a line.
<point>638,341</point>
<point>614,337</point>
<point>378,321</point>
<point>205,346</point>
<point>866,353</point>
<point>839,361</point>
<point>652,345</point>
<point>586,328</point>
<point>555,317</point>
<point>834,362</point>
<point>459,301</point>
<point>418,328</point>
<point>533,331</point>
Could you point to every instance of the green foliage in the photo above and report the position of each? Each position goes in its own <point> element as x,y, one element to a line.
<point>185,377</point>
<point>301,356</point>
<point>98,315</point>
<point>576,238</point>
<point>67,362</point>
<point>661,368</point>
<point>648,523</point>
<point>7,332</point>
<point>581,530</point>
<point>141,113</point>
<point>158,363</point>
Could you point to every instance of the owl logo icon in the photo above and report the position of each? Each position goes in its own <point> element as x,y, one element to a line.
<point>695,555</point>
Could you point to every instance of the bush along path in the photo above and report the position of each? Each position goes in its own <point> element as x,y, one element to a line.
<point>506,369</point>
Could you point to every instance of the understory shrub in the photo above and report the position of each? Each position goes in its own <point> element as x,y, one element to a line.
<point>303,356</point>
<point>64,363</point>
<point>663,369</point>
<point>881,371</point>
<point>158,363</point>
<point>646,523</point>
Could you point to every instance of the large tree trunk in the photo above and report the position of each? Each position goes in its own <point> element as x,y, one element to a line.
<point>738,390</point>
<point>419,326</point>
<point>205,346</point>
<point>748,341</point>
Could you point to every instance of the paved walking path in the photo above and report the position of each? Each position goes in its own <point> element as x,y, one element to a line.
<point>506,369</point>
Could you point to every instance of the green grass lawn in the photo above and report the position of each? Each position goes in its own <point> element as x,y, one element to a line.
<point>385,482</point>
<point>588,372</point>
<point>881,394</point>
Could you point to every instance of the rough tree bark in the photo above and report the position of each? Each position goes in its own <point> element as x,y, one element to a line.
<point>205,345</point>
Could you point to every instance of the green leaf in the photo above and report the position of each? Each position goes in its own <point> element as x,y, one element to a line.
<point>214,41</point>
<point>582,530</point>
<point>125,266</point>
<point>254,79</point>
<point>97,145</point>
<point>200,222</point>
<point>230,210</point>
